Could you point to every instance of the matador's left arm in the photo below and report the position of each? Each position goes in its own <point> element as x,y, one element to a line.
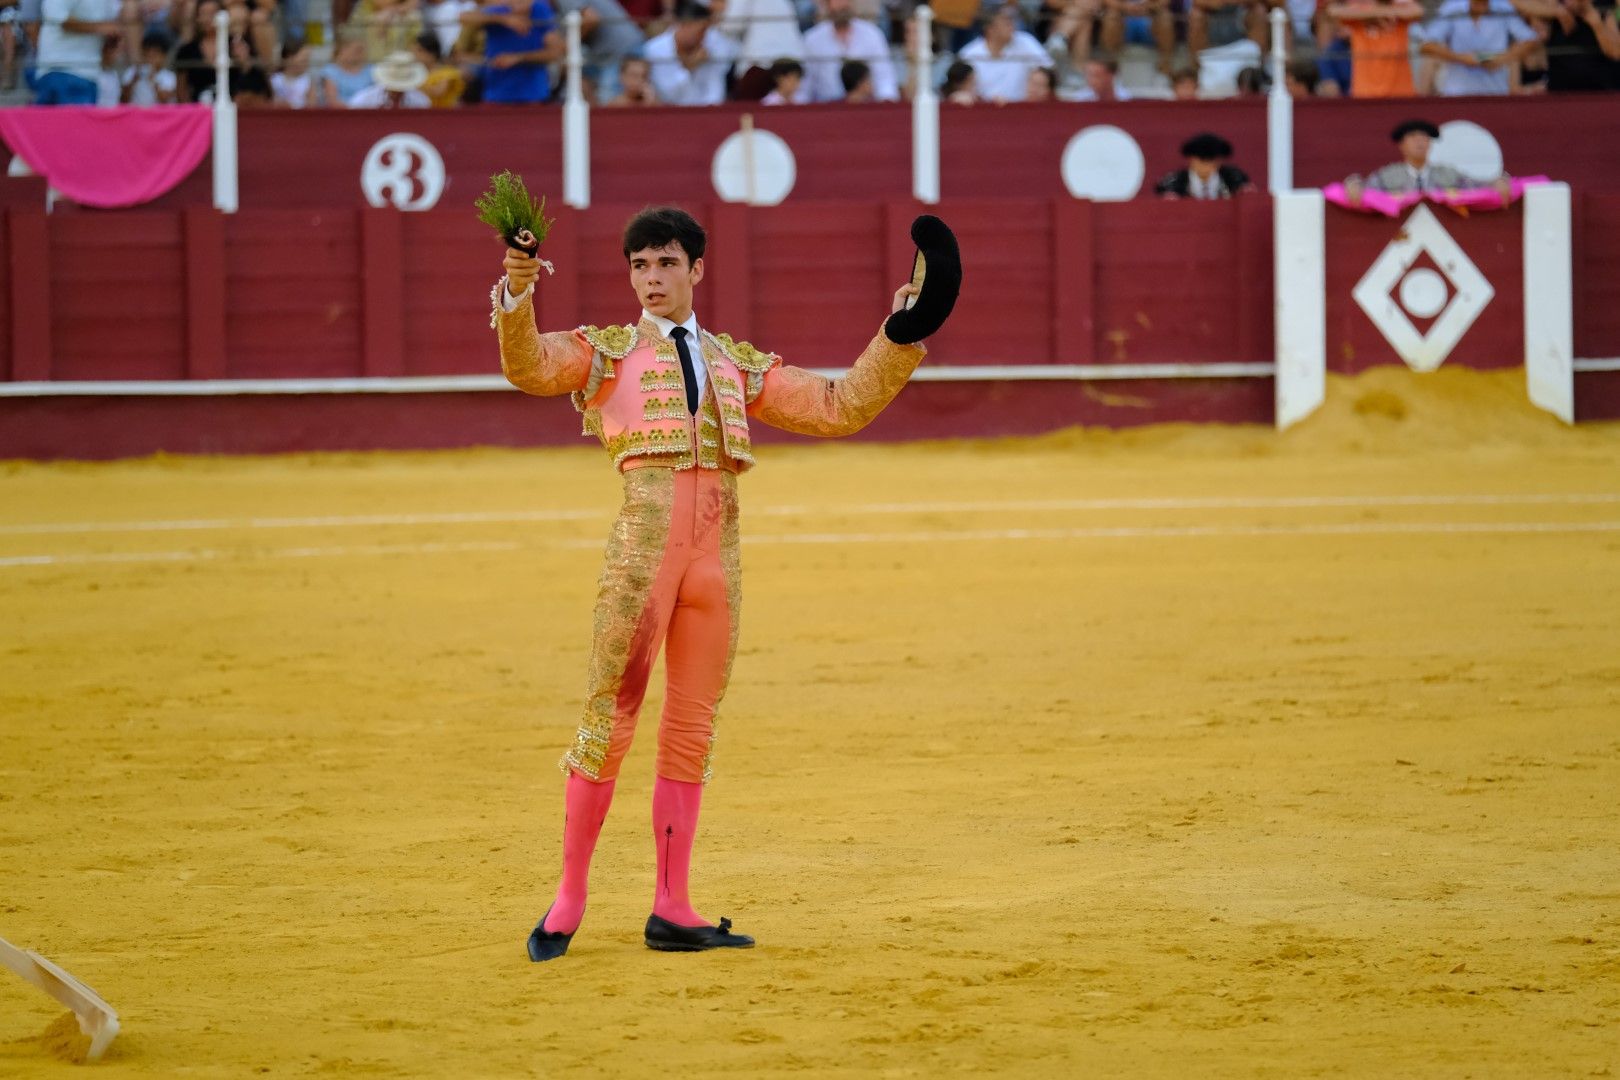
<point>797,400</point>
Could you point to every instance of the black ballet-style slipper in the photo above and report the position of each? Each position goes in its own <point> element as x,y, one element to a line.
<point>666,936</point>
<point>548,944</point>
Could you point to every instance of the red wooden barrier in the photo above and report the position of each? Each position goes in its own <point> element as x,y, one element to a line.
<point>290,294</point>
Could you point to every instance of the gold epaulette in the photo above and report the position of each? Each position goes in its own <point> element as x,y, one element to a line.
<point>614,342</point>
<point>745,356</point>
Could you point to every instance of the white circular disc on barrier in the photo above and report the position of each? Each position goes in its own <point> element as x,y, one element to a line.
<point>1469,149</point>
<point>403,170</point>
<point>1423,292</point>
<point>1104,163</point>
<point>774,168</point>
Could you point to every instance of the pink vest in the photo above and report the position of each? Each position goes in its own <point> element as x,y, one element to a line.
<point>635,401</point>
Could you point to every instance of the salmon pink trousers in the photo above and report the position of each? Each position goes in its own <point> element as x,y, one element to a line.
<point>671,579</point>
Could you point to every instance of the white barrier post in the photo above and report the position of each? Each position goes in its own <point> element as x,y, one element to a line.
<point>1279,111</point>
<point>576,124</point>
<point>1549,320</point>
<point>924,112</point>
<point>1300,284</point>
<point>224,149</point>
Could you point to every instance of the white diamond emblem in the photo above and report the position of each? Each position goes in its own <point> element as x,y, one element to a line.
<point>1376,290</point>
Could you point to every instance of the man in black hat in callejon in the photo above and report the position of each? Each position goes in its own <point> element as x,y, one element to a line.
<point>1208,174</point>
<point>1415,172</point>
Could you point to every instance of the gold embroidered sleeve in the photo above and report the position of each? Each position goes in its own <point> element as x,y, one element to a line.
<point>805,403</point>
<point>536,363</point>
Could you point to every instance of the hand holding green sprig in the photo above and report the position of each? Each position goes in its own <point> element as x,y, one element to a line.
<point>509,209</point>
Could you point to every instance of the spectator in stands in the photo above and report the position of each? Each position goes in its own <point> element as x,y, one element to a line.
<point>1207,175</point>
<point>635,84</point>
<point>856,77</point>
<point>961,85</point>
<point>247,82</point>
<point>150,82</point>
<point>1252,82</point>
<point>764,32</point>
<point>1003,57</point>
<point>789,89</point>
<point>442,18</point>
<point>1415,172</point>
<point>295,86</point>
<point>1479,49</point>
<point>1380,45</point>
<point>1102,83</point>
<point>1140,22</point>
<point>1222,22</point>
<point>70,36</point>
<point>1042,84</point>
<point>1184,84</point>
<point>902,57</point>
<point>348,73</point>
<point>388,26</point>
<point>841,36</point>
<point>1583,44</point>
<point>1300,77</point>
<point>520,40</point>
<point>607,35</point>
<point>1069,38</point>
<point>444,84</point>
<point>397,84</point>
<point>255,19</point>
<point>1332,53</point>
<point>109,84</point>
<point>691,58</point>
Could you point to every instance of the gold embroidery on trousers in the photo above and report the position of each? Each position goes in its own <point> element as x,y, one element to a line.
<point>635,550</point>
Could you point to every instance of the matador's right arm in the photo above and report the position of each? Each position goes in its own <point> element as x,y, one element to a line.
<point>536,363</point>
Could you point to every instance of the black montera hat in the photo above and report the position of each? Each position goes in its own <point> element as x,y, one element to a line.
<point>1206,147</point>
<point>1402,130</point>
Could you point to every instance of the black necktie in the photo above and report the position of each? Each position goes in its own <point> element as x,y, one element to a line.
<point>679,334</point>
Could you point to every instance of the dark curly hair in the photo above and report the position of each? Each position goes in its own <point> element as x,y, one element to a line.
<point>659,226</point>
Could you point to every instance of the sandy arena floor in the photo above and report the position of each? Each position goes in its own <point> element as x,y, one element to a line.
<point>1179,752</point>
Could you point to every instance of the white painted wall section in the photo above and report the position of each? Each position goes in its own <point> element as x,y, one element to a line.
<point>1300,269</point>
<point>1549,318</point>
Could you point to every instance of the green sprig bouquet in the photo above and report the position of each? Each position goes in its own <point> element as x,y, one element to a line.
<point>509,209</point>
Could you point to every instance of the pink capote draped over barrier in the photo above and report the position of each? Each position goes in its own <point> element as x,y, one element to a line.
<point>109,157</point>
<point>1382,202</point>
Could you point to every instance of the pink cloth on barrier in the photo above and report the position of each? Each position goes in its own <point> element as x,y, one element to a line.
<point>109,157</point>
<point>1464,200</point>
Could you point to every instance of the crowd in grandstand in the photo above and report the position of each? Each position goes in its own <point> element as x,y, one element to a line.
<point>444,53</point>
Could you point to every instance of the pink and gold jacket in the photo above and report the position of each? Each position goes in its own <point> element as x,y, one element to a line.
<point>626,381</point>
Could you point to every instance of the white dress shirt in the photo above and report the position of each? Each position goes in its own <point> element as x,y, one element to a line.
<point>678,86</point>
<point>694,343</point>
<point>825,52</point>
<point>1005,77</point>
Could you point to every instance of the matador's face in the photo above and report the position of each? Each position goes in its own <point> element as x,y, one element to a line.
<point>664,278</point>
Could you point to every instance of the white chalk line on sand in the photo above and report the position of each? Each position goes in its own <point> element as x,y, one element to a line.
<point>516,517</point>
<point>926,536</point>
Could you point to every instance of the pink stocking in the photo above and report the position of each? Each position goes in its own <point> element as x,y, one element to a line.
<point>586,806</point>
<point>675,815</point>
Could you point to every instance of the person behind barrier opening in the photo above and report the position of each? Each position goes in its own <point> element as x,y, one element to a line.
<point>1208,175</point>
<point>1415,172</point>
<point>672,402</point>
